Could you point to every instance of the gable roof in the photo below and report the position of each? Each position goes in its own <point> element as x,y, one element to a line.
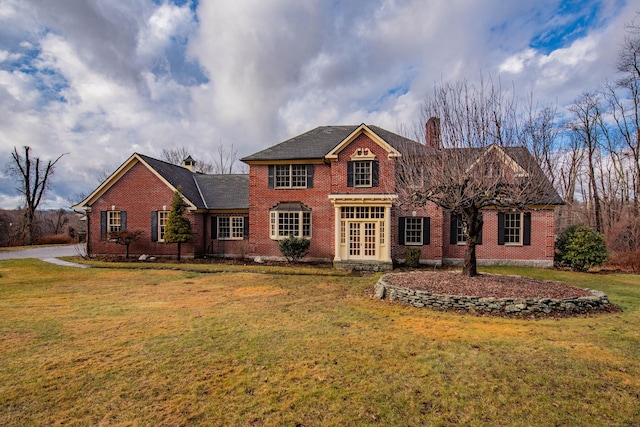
<point>319,142</point>
<point>201,191</point>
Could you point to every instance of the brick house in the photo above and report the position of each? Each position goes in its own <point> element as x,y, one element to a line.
<point>335,185</point>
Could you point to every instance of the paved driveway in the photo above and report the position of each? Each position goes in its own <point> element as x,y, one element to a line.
<point>48,253</point>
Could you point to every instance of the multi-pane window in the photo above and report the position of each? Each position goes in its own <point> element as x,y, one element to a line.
<point>413,231</point>
<point>512,228</point>
<point>231,228</point>
<point>291,176</point>
<point>114,221</point>
<point>460,236</point>
<point>290,223</point>
<point>162,224</point>
<point>362,174</point>
<point>362,212</point>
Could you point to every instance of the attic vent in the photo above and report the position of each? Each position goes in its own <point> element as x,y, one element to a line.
<point>189,163</point>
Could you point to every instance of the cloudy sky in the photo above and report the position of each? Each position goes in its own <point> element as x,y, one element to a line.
<point>102,79</point>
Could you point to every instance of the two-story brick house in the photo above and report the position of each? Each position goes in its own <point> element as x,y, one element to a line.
<point>335,185</point>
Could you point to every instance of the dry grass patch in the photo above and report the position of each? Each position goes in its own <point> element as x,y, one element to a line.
<point>169,347</point>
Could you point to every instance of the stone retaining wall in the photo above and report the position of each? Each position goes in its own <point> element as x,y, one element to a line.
<point>511,306</point>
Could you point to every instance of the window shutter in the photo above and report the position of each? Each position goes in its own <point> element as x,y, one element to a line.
<point>123,220</point>
<point>426,231</point>
<point>375,173</point>
<point>246,227</point>
<point>154,226</point>
<point>501,228</point>
<point>401,226</point>
<point>271,176</point>
<point>479,239</point>
<point>349,174</point>
<point>526,232</point>
<point>309,176</point>
<point>214,227</point>
<point>103,225</point>
<point>453,229</point>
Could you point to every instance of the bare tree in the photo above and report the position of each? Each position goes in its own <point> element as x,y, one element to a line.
<point>468,168</point>
<point>33,177</point>
<point>225,160</point>
<point>587,117</point>
<point>176,156</point>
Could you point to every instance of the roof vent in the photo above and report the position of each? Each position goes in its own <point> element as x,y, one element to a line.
<point>189,163</point>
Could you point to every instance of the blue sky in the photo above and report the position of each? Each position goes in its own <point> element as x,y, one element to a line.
<point>101,79</point>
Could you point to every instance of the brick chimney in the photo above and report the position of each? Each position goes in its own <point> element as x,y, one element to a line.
<point>433,138</point>
<point>189,163</point>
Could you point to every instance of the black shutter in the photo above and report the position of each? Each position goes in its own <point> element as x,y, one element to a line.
<point>123,220</point>
<point>246,227</point>
<point>526,233</point>
<point>501,228</point>
<point>271,176</point>
<point>401,225</point>
<point>103,225</point>
<point>309,176</point>
<point>375,173</point>
<point>349,174</point>
<point>426,231</point>
<point>479,239</point>
<point>214,227</point>
<point>154,226</point>
<point>453,229</point>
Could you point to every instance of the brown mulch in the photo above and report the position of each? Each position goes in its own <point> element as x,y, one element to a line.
<point>484,285</point>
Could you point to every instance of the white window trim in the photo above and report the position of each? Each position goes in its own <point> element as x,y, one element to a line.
<point>290,174</point>
<point>274,224</point>
<point>231,228</point>
<point>110,219</point>
<point>421,234</point>
<point>521,229</point>
<point>461,239</point>
<point>160,225</point>
<point>355,174</point>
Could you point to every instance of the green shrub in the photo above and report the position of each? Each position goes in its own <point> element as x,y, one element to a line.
<point>294,248</point>
<point>412,257</point>
<point>580,248</point>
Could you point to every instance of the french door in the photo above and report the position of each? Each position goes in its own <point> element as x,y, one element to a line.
<point>362,240</point>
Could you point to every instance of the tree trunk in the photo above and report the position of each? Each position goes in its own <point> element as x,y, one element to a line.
<point>127,252</point>
<point>472,222</point>
<point>179,251</point>
<point>31,234</point>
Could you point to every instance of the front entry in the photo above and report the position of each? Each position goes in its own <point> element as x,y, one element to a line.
<point>363,240</point>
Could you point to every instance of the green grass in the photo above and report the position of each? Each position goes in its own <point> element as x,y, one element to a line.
<point>211,346</point>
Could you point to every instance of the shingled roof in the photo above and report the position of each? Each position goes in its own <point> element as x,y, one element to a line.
<point>318,142</point>
<point>205,191</point>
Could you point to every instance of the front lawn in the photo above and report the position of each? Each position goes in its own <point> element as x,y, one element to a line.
<point>116,346</point>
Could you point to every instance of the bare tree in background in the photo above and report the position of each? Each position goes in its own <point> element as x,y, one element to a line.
<point>224,160</point>
<point>587,112</point>
<point>33,179</point>
<point>476,130</point>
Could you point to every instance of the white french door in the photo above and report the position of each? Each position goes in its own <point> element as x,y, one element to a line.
<point>363,240</point>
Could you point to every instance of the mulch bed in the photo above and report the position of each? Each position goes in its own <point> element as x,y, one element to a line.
<point>485,285</point>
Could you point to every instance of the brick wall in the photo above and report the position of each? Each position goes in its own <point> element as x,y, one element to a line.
<point>431,253</point>
<point>262,199</point>
<point>138,192</point>
<point>541,248</point>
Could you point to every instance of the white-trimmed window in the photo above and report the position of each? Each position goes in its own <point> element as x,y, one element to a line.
<point>362,174</point>
<point>114,221</point>
<point>290,176</point>
<point>512,228</point>
<point>413,231</point>
<point>290,219</point>
<point>162,224</point>
<point>230,228</point>
<point>461,239</point>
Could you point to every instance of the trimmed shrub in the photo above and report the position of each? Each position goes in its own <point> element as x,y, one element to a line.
<point>580,248</point>
<point>294,248</point>
<point>412,257</point>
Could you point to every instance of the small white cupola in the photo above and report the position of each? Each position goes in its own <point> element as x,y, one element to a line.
<point>189,163</point>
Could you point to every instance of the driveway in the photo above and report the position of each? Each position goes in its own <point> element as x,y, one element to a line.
<point>48,253</point>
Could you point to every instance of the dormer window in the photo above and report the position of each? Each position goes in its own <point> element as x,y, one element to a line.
<point>363,169</point>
